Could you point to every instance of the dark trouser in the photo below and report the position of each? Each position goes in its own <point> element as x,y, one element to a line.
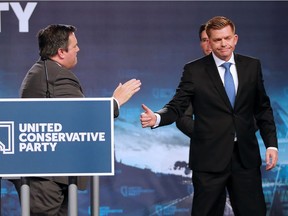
<point>244,187</point>
<point>47,198</point>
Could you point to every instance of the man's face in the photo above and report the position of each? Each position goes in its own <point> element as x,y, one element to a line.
<point>204,43</point>
<point>223,42</point>
<point>70,55</point>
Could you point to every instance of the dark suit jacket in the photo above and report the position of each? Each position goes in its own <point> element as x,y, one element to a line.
<point>186,123</point>
<point>216,122</point>
<point>62,84</point>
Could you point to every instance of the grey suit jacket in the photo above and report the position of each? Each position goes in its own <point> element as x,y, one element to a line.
<point>216,121</point>
<point>62,83</point>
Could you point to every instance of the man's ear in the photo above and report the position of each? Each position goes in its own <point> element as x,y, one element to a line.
<point>235,39</point>
<point>61,53</point>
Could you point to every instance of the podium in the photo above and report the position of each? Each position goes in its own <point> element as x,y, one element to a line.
<point>76,134</point>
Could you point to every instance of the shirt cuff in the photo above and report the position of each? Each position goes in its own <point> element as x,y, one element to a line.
<point>158,119</point>
<point>274,148</point>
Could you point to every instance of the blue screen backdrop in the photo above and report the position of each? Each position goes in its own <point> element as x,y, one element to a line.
<point>150,41</point>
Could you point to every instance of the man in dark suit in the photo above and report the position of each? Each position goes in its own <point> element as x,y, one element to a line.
<point>51,76</point>
<point>224,151</point>
<point>186,122</point>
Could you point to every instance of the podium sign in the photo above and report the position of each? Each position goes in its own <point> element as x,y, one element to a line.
<point>55,137</point>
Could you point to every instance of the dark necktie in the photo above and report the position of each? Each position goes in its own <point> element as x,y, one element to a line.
<point>229,82</point>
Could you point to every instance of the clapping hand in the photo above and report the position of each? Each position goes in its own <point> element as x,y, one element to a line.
<point>125,91</point>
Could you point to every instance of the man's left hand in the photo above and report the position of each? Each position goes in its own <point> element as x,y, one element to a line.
<point>125,91</point>
<point>271,158</point>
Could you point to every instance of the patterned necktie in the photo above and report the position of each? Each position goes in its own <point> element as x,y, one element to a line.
<point>229,82</point>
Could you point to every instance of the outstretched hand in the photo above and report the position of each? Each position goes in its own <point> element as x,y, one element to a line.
<point>147,118</point>
<point>125,91</point>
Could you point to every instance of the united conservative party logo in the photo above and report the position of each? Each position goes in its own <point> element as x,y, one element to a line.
<point>7,137</point>
<point>40,137</point>
<point>76,134</point>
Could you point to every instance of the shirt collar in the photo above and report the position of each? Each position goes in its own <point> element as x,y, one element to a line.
<point>219,61</point>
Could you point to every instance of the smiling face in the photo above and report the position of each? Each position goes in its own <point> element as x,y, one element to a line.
<point>223,42</point>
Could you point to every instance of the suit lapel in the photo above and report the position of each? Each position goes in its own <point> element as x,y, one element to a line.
<point>213,73</point>
<point>240,67</point>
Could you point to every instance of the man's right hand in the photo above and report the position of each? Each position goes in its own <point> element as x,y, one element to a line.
<point>148,117</point>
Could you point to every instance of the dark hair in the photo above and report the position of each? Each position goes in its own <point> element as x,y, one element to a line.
<point>217,23</point>
<point>53,37</point>
<point>201,29</point>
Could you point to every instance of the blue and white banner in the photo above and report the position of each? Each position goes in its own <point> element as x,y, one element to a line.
<point>47,137</point>
<point>150,41</point>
